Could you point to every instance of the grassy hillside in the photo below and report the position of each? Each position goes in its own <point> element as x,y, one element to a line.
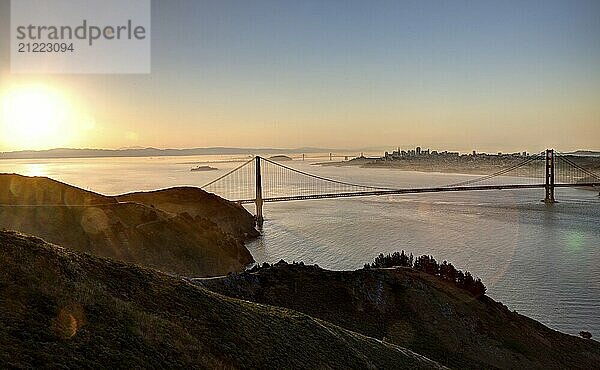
<point>231,217</point>
<point>60,308</point>
<point>17,189</point>
<point>416,311</point>
<point>163,239</point>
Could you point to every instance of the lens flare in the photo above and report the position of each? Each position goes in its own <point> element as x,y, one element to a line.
<point>575,241</point>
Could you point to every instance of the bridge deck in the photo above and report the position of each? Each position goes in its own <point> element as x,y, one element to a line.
<point>416,191</point>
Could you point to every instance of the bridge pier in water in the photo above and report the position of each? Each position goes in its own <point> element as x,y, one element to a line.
<point>549,199</point>
<point>258,201</point>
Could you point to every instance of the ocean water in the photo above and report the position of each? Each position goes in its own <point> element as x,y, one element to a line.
<point>540,260</point>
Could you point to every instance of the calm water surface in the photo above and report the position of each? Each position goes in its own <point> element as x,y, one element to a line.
<point>543,261</point>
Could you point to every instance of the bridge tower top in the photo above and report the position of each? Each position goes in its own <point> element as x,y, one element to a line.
<point>549,177</point>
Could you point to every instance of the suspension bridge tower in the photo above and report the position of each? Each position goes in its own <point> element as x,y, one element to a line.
<point>258,200</point>
<point>549,177</point>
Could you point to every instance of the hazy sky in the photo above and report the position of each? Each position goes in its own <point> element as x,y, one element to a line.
<point>487,75</point>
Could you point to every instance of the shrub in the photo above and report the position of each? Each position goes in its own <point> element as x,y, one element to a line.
<point>427,264</point>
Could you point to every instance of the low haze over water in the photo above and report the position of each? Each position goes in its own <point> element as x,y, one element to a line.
<point>543,261</point>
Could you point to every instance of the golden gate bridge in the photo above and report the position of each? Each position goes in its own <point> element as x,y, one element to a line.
<point>260,180</point>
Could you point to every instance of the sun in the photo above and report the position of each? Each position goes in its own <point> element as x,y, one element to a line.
<point>35,117</point>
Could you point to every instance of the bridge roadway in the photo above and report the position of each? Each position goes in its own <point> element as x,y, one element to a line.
<point>416,191</point>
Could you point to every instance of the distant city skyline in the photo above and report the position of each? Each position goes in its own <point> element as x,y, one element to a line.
<point>491,76</point>
<point>383,152</point>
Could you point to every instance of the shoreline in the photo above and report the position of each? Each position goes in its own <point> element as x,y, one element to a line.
<point>409,167</point>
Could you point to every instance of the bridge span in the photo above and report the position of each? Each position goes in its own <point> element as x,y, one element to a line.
<point>413,191</point>
<point>261,180</point>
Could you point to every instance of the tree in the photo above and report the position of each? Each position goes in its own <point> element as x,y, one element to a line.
<point>445,271</point>
<point>448,272</point>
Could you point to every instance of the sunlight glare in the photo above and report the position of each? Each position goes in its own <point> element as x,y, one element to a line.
<point>35,169</point>
<point>35,117</point>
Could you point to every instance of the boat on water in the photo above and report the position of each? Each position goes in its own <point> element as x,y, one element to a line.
<point>204,168</point>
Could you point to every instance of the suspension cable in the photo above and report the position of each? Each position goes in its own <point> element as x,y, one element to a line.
<point>228,173</point>
<point>501,172</point>
<point>589,173</point>
<point>326,179</point>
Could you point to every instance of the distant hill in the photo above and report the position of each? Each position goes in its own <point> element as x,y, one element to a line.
<point>590,153</point>
<point>151,152</point>
<point>63,309</point>
<point>416,311</point>
<point>151,229</point>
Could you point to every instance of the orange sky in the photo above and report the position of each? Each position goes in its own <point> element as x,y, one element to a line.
<point>492,82</point>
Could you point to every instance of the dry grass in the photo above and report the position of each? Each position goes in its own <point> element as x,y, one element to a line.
<point>416,311</point>
<point>173,242</point>
<point>59,308</point>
